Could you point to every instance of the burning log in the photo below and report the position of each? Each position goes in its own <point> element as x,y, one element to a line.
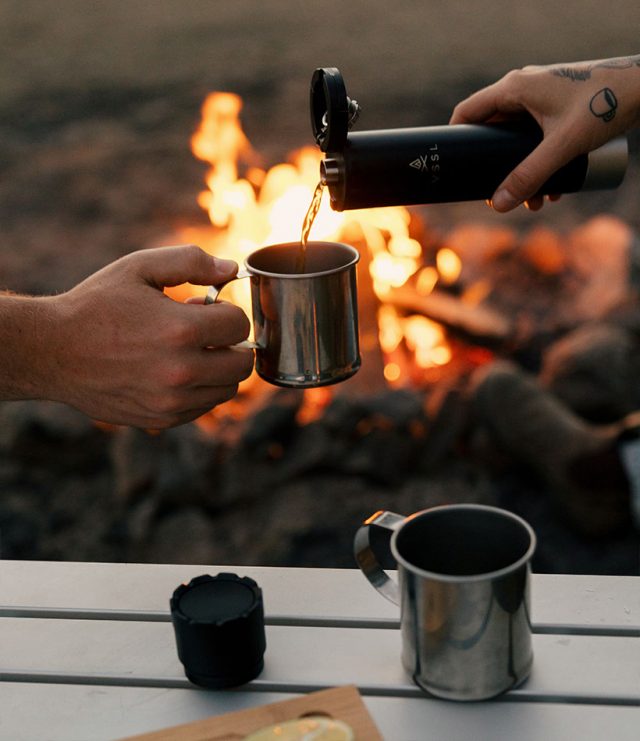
<point>478,323</point>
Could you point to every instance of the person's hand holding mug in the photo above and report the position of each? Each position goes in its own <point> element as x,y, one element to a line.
<point>120,350</point>
<point>579,107</point>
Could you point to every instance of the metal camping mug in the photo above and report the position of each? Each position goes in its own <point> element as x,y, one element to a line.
<point>305,312</point>
<point>464,582</point>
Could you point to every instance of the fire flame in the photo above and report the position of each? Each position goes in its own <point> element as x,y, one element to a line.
<point>251,207</point>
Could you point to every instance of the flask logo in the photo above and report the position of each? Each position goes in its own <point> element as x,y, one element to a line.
<point>420,163</point>
<point>428,163</point>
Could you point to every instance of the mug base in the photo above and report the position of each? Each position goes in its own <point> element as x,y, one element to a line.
<point>303,382</point>
<point>443,693</point>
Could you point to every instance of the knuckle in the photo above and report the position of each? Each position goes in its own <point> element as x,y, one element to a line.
<point>163,423</point>
<point>515,82</point>
<point>520,182</point>
<point>194,252</point>
<point>178,376</point>
<point>179,333</point>
<point>512,77</point>
<point>166,399</point>
<point>200,259</point>
<point>137,257</point>
<point>165,405</point>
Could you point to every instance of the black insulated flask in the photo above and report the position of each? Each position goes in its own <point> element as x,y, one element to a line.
<point>435,164</point>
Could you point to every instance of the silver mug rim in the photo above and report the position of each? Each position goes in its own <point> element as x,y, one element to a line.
<point>483,576</point>
<point>355,257</point>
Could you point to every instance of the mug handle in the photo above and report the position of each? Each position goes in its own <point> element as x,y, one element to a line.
<point>213,293</point>
<point>367,559</point>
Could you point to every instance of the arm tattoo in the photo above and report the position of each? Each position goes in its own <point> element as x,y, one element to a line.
<point>583,72</point>
<point>604,104</point>
<point>620,63</point>
<point>572,73</point>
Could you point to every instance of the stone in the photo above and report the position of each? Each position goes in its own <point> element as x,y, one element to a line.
<point>595,370</point>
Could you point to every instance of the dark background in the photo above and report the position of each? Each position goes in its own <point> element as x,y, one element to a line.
<point>98,99</point>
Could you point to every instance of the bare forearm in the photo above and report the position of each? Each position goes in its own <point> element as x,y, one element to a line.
<point>25,347</point>
<point>120,350</point>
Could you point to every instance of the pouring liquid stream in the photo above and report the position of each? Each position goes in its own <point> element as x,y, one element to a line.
<point>306,226</point>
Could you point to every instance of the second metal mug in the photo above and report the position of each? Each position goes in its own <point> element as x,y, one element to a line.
<point>305,315</point>
<point>463,593</point>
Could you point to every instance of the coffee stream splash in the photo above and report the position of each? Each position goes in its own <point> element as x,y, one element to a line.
<point>306,226</point>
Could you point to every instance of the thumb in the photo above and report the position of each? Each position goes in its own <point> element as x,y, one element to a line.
<point>525,180</point>
<point>171,266</point>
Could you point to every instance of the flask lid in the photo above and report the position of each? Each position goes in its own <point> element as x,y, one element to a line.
<point>219,628</point>
<point>333,113</point>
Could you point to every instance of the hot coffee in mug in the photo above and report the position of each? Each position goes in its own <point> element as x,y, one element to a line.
<point>305,312</point>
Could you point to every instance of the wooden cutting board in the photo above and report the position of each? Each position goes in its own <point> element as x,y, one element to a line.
<point>340,703</point>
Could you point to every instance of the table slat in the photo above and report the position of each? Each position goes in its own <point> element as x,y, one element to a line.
<point>578,668</point>
<point>559,602</point>
<point>76,713</point>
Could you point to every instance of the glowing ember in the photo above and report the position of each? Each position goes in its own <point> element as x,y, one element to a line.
<point>250,207</point>
<point>426,280</point>
<point>392,372</point>
<point>449,265</point>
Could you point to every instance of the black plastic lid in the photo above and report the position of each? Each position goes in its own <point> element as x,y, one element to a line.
<point>329,109</point>
<point>219,626</point>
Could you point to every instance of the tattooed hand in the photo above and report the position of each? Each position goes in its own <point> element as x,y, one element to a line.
<point>578,106</point>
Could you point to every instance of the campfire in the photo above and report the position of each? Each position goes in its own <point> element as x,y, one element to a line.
<point>250,206</point>
<point>432,306</point>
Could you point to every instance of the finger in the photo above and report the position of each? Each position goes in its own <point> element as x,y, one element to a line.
<point>199,401</point>
<point>171,266</point>
<point>526,180</point>
<point>485,104</point>
<point>216,325</point>
<point>478,107</point>
<point>535,203</point>
<point>221,366</point>
<point>188,415</point>
<point>233,364</point>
